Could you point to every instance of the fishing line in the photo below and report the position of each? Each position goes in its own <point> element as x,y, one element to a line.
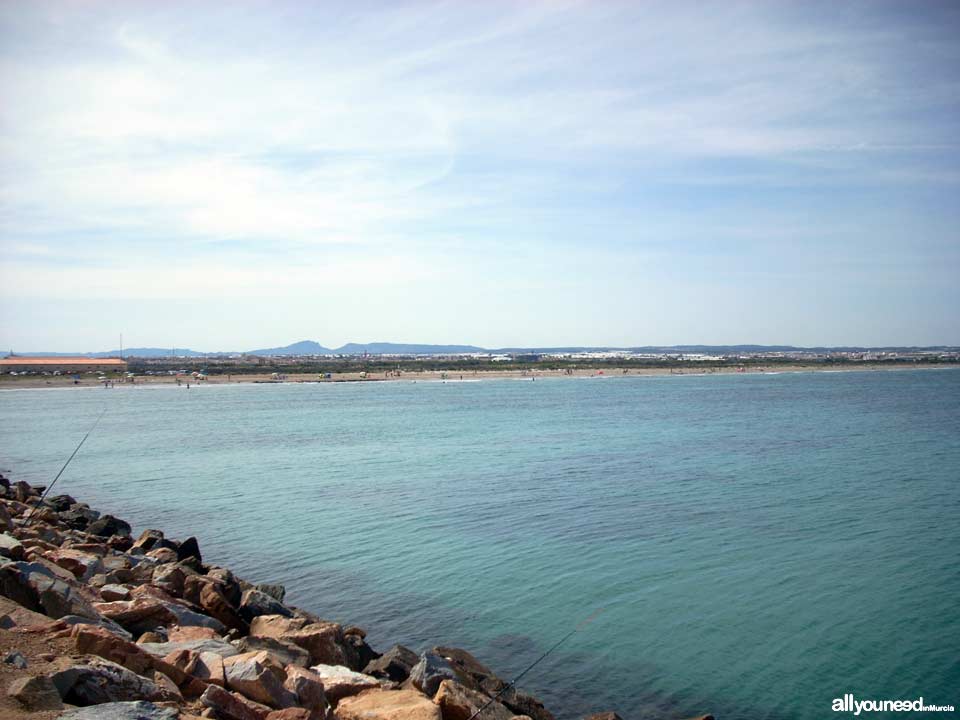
<point>583,623</point>
<point>26,522</point>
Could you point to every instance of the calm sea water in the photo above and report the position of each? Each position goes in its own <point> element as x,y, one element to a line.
<point>759,544</point>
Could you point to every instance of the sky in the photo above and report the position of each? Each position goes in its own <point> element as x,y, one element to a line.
<point>233,175</point>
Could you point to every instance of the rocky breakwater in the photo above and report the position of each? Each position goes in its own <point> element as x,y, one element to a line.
<point>95,624</point>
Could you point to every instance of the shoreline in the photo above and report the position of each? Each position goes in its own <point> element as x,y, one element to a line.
<point>439,376</point>
<point>96,624</point>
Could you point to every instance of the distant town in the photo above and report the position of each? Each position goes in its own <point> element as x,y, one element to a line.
<point>308,357</point>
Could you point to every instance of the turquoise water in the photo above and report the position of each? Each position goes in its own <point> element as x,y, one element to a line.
<point>759,544</point>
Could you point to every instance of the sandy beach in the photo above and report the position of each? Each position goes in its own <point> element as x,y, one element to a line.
<point>8,382</point>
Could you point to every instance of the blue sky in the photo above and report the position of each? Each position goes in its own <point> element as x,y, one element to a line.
<point>234,175</point>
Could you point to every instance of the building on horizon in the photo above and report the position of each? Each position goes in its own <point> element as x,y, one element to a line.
<point>18,364</point>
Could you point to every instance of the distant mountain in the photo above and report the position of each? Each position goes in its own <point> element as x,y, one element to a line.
<point>385,348</point>
<point>309,347</point>
<point>304,347</point>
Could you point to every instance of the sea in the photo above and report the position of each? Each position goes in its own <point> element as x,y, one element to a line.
<point>752,546</point>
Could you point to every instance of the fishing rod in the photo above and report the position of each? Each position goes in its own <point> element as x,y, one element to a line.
<point>26,522</point>
<point>583,623</point>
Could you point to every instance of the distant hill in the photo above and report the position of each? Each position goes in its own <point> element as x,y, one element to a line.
<point>310,347</point>
<point>385,348</point>
<point>304,347</point>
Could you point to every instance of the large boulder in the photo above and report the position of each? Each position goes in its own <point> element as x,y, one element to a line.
<point>339,681</point>
<point>10,547</point>
<point>429,672</point>
<point>395,664</point>
<point>232,706</point>
<point>255,603</point>
<point>79,516</point>
<point>288,652</point>
<point>324,641</point>
<point>259,677</point>
<point>39,588</point>
<point>458,702</point>
<point>100,681</point>
<point>308,687</point>
<point>59,503</point>
<point>35,693</point>
<point>122,711</point>
<point>109,525</point>
<point>189,548</point>
<point>388,705</point>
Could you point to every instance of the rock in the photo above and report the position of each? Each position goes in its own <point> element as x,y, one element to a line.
<point>5,522</point>
<point>101,681</point>
<point>475,675</point>
<point>209,667</point>
<point>170,579</point>
<point>277,592</point>
<point>105,623</point>
<point>35,693</point>
<point>121,711</point>
<point>189,548</point>
<point>339,681</point>
<point>108,525</point>
<point>81,565</point>
<point>458,702</point>
<point>294,713</point>
<point>16,614</point>
<point>147,611</point>
<point>324,641</point>
<point>112,593</point>
<point>289,653</point>
<point>152,637</point>
<point>429,672</point>
<point>255,603</point>
<point>163,555</point>
<point>191,632</point>
<point>37,587</point>
<point>308,688</point>
<point>603,716</point>
<point>219,647</point>
<point>22,492</point>
<point>255,675</point>
<point>395,664</point>
<point>10,547</point>
<point>59,503</point>
<point>388,705</point>
<point>16,659</point>
<point>231,706</point>
<point>79,516</point>
<point>147,539</point>
<point>214,601</point>
<point>362,653</point>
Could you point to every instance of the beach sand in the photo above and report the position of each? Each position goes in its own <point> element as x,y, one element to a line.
<point>90,380</point>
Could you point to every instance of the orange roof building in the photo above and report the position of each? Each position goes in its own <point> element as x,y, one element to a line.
<point>61,364</point>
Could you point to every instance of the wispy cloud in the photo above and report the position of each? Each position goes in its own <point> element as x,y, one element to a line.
<point>354,146</point>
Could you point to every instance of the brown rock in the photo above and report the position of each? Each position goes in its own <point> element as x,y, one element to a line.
<point>214,602</point>
<point>395,664</point>
<point>191,632</point>
<point>308,687</point>
<point>324,641</point>
<point>288,653</point>
<point>232,706</point>
<point>258,677</point>
<point>388,705</point>
<point>164,555</point>
<point>294,714</point>
<point>100,681</point>
<point>112,593</point>
<point>458,702</point>
<point>339,681</point>
<point>36,693</point>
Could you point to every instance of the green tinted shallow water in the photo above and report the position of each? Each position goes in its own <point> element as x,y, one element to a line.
<point>759,544</point>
